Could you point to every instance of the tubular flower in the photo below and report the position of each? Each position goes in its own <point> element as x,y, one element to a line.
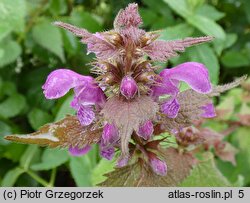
<point>128,103</point>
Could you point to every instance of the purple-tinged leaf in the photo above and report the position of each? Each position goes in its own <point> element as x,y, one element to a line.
<point>64,133</point>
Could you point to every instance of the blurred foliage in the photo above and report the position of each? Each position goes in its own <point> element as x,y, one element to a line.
<point>30,48</point>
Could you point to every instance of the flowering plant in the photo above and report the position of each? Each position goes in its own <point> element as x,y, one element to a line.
<point>129,106</point>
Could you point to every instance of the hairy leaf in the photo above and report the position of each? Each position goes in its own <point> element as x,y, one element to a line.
<point>140,174</point>
<point>64,133</point>
<point>217,90</point>
<point>206,174</point>
<point>191,103</point>
<point>190,110</point>
<point>128,115</point>
<point>163,50</point>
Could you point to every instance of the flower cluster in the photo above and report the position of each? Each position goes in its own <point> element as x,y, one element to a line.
<point>125,99</point>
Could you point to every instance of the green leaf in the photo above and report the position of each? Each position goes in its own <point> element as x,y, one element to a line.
<point>28,156</point>
<point>11,50</point>
<point>210,12</point>
<point>11,177</point>
<point>140,174</point>
<point>207,26</point>
<point>38,117</point>
<point>12,106</point>
<point>204,54</point>
<point>49,37</point>
<point>80,168</point>
<point>234,59</point>
<point>243,138</point>
<point>181,7</point>
<point>206,174</point>
<point>14,152</point>
<point>202,23</point>
<point>103,167</point>
<point>85,20</point>
<point>65,109</point>
<point>12,14</point>
<point>227,104</point>
<point>51,158</point>
<point>179,31</point>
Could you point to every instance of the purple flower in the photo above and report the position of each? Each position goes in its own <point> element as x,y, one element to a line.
<point>209,111</point>
<point>107,152</point>
<point>146,130</point>
<point>133,88</point>
<point>75,151</point>
<point>110,134</point>
<point>158,166</point>
<point>193,73</point>
<point>87,93</point>
<point>128,87</point>
<point>122,161</point>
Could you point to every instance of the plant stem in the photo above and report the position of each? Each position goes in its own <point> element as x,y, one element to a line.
<point>38,179</point>
<point>52,177</point>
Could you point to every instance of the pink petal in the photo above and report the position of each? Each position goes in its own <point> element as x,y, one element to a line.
<point>85,115</point>
<point>89,94</point>
<point>110,134</point>
<point>165,86</point>
<point>75,151</point>
<point>107,153</point>
<point>158,166</point>
<point>209,111</point>
<point>60,81</point>
<point>170,108</point>
<point>193,73</point>
<point>146,130</point>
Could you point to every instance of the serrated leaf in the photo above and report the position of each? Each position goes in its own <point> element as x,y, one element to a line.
<point>104,166</point>
<point>80,168</point>
<point>11,177</point>
<point>204,54</point>
<point>206,174</point>
<point>51,158</point>
<point>11,51</point>
<point>38,117</point>
<point>49,37</point>
<point>12,106</point>
<point>140,174</point>
<point>64,133</point>
<point>129,115</point>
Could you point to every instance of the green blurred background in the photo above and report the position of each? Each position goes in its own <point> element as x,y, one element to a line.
<point>31,47</point>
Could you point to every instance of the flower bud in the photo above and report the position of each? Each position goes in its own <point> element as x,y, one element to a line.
<point>107,153</point>
<point>158,166</point>
<point>110,134</point>
<point>146,130</point>
<point>75,151</point>
<point>122,161</point>
<point>128,87</point>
